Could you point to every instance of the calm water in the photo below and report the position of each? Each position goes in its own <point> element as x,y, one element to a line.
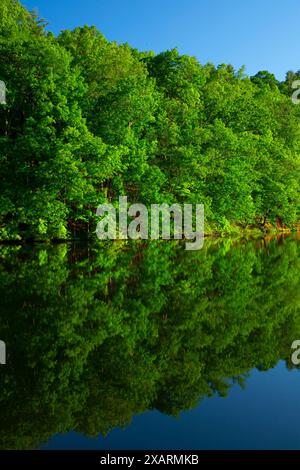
<point>148,346</point>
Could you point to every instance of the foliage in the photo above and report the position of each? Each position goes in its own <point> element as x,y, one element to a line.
<point>87,120</point>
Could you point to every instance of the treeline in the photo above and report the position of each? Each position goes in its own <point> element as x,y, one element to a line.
<point>87,120</point>
<point>96,334</point>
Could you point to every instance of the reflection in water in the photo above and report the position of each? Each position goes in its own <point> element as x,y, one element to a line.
<point>97,334</point>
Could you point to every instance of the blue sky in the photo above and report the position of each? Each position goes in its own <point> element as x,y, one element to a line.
<point>260,34</point>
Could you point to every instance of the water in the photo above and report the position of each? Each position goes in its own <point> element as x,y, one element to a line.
<point>148,346</point>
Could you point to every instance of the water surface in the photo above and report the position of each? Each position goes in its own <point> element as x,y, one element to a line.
<point>146,345</point>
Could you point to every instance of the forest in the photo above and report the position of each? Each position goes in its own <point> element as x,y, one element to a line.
<point>87,120</point>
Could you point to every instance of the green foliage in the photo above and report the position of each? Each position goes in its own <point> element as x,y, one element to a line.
<point>87,120</point>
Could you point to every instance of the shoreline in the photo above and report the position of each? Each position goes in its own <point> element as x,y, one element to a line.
<point>254,233</point>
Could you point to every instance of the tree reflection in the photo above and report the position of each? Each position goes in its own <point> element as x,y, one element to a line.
<point>97,334</point>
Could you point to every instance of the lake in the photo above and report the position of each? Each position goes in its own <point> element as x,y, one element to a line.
<point>144,345</point>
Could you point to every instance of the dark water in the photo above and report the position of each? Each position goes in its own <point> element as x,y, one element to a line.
<point>147,345</point>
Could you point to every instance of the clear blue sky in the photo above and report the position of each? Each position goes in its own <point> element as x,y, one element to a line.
<point>260,34</point>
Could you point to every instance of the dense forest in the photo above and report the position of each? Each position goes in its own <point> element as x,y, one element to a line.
<point>96,335</point>
<point>87,120</point>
